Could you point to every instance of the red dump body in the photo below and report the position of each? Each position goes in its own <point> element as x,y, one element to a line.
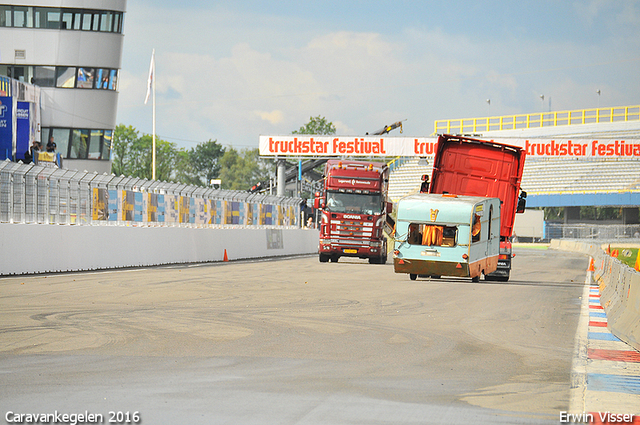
<point>472,167</point>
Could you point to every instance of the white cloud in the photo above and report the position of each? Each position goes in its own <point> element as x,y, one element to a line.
<point>231,76</point>
<point>273,117</point>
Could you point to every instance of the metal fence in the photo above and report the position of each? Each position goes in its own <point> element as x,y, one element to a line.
<point>46,195</point>
<point>591,231</point>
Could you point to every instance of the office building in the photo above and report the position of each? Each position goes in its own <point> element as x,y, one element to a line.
<point>72,49</point>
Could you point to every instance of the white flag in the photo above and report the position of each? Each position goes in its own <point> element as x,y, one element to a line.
<point>151,76</point>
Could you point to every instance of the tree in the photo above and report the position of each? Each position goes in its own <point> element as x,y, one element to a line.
<point>239,170</point>
<point>205,161</point>
<point>123,138</point>
<point>317,125</point>
<point>132,155</point>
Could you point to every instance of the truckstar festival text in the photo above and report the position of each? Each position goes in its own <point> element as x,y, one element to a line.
<point>371,146</point>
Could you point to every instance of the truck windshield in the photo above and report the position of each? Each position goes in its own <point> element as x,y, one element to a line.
<point>359,203</point>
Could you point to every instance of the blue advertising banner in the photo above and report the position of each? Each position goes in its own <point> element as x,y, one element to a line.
<point>112,214</point>
<point>23,130</point>
<point>138,207</point>
<point>6,139</point>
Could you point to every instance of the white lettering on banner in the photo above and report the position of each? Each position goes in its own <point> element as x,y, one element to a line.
<point>354,182</point>
<point>318,145</point>
<point>22,113</point>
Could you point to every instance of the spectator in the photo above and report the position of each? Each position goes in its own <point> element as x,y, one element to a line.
<point>424,187</point>
<point>51,146</point>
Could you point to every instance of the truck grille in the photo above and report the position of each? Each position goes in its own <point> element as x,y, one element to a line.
<point>354,229</point>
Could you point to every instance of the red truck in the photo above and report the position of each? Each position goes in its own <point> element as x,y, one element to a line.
<point>473,167</point>
<point>354,210</point>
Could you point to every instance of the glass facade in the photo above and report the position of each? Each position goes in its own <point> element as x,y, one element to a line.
<point>71,143</point>
<point>69,77</point>
<point>79,143</point>
<point>60,18</point>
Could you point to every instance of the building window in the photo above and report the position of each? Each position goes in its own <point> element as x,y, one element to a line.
<point>74,143</point>
<point>96,22</point>
<point>117,18</point>
<point>21,73</point>
<point>57,18</point>
<point>86,21</point>
<point>106,145</point>
<point>5,16</point>
<point>67,20</point>
<point>85,78</point>
<point>61,139</point>
<point>95,144</point>
<point>79,144</point>
<point>66,76</point>
<point>45,76</point>
<point>63,76</point>
<point>23,17</point>
<point>113,79</point>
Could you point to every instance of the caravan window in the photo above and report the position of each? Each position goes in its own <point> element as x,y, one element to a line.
<point>432,235</point>
<point>476,228</point>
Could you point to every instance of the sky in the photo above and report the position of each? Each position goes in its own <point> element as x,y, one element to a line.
<point>234,70</point>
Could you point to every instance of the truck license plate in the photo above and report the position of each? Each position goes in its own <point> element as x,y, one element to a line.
<point>350,251</point>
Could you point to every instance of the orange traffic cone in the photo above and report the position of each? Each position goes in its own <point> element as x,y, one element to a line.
<point>592,266</point>
<point>637,266</point>
<point>225,258</point>
<point>614,253</point>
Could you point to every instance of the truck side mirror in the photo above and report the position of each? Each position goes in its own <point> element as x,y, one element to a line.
<point>389,207</point>
<point>522,202</point>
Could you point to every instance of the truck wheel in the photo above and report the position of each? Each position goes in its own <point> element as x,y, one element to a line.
<point>334,258</point>
<point>413,276</point>
<point>475,279</point>
<point>374,260</point>
<point>324,258</point>
<point>383,260</point>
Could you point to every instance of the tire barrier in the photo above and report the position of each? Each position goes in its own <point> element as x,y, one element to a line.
<point>619,288</point>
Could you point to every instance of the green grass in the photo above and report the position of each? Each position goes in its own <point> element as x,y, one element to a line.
<point>626,255</point>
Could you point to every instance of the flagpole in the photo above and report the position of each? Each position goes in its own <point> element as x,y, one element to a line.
<point>153,129</point>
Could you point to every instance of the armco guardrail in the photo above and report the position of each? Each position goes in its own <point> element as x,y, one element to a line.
<point>619,289</point>
<point>37,194</point>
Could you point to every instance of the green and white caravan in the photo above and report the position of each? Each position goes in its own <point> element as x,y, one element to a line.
<point>447,235</point>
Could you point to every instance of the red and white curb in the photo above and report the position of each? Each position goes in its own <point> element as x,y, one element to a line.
<point>605,378</point>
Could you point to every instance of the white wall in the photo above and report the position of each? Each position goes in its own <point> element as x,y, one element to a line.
<point>40,248</point>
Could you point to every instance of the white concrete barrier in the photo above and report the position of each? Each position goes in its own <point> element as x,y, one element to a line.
<point>41,248</point>
<point>619,288</point>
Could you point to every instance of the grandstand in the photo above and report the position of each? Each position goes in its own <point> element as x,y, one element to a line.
<point>551,181</point>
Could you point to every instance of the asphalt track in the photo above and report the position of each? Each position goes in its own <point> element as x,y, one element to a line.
<point>293,341</point>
